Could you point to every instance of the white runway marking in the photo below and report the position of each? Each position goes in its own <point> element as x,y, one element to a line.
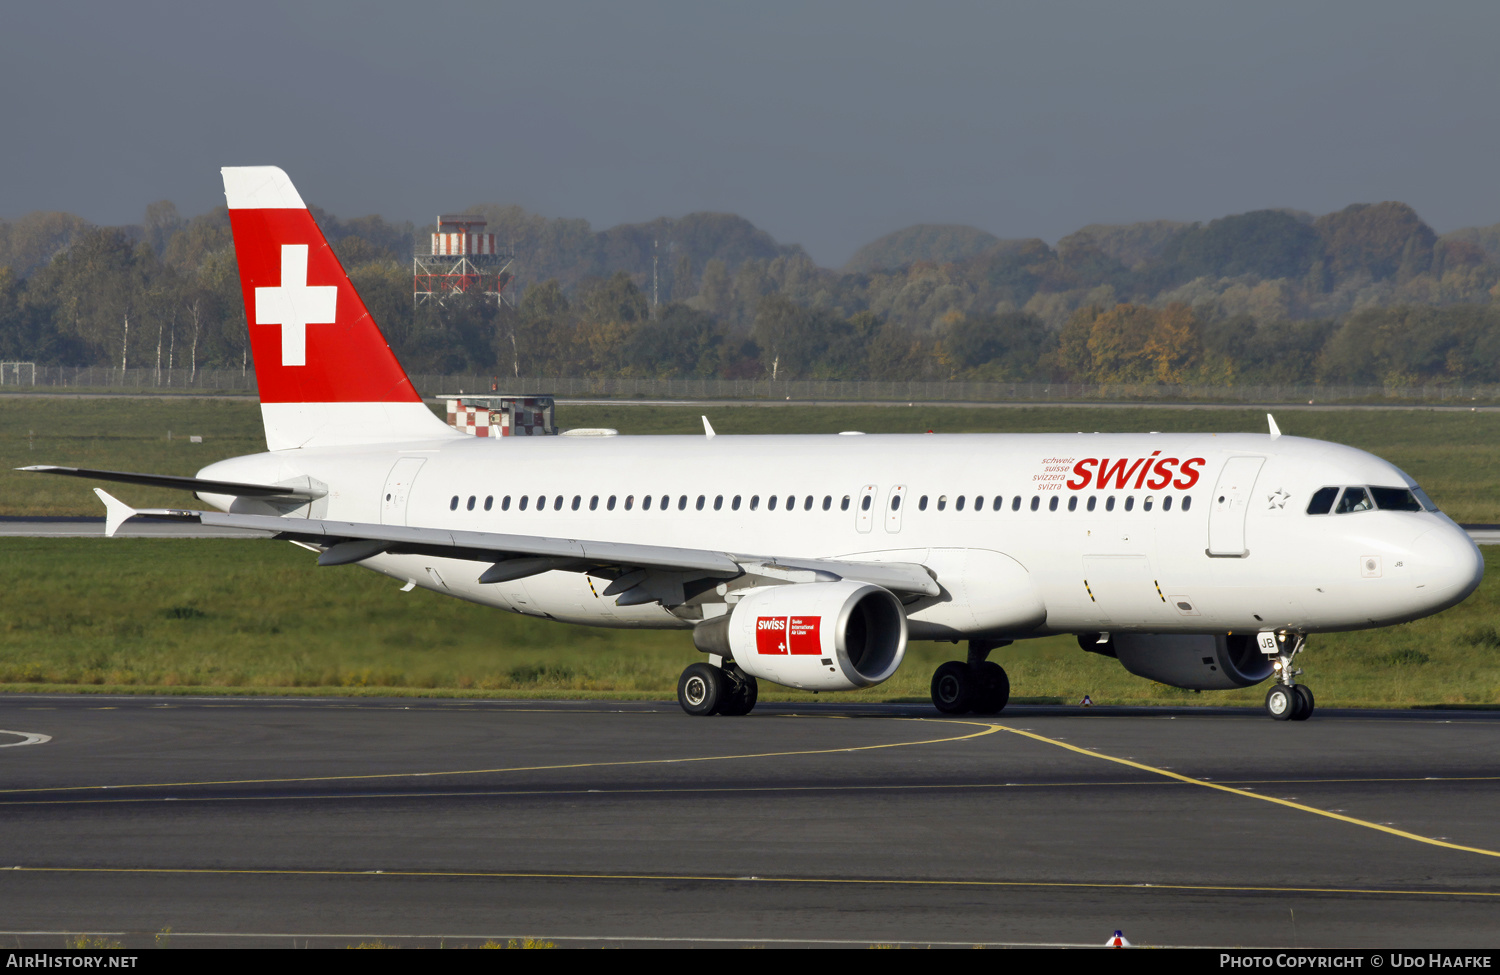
<point>27,739</point>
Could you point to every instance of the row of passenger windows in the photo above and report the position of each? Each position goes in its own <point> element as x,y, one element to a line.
<point>808,502</point>
<point>1367,499</point>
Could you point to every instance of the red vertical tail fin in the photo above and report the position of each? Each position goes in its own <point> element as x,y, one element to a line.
<point>325,372</point>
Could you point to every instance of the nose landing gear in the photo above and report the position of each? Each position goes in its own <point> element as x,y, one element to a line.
<point>977,685</point>
<point>1288,700</point>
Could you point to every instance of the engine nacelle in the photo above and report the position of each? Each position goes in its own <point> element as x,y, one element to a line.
<point>819,636</point>
<point>1200,662</point>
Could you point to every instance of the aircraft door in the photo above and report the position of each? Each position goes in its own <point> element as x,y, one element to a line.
<point>1229,504</point>
<point>398,489</point>
<point>893,508</point>
<point>864,512</point>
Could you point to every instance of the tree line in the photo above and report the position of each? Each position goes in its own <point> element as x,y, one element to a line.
<point>1369,294</point>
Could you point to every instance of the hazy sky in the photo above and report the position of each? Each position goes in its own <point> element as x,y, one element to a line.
<point>827,124</point>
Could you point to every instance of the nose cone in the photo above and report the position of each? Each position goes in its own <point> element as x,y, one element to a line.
<point>1449,566</point>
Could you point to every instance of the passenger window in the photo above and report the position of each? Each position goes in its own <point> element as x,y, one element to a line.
<point>505,503</point>
<point>719,502</point>
<point>771,502</point>
<point>864,503</point>
<point>735,504</point>
<point>610,505</point>
<point>791,502</point>
<point>922,504</point>
<point>1322,501</point>
<point>895,502</point>
<point>1187,501</point>
<point>489,502</point>
<point>681,503</point>
<point>1092,501</point>
<point>1354,499</point>
<point>594,503</point>
<point>1166,502</point>
<point>827,502</point>
<point>629,501</point>
<point>699,505</point>
<point>754,501</point>
<point>1015,504</point>
<point>453,505</point>
<point>1036,501</point>
<point>942,502</point>
<point>645,503</point>
<point>1073,503</point>
<point>845,505</point>
<point>1052,504</point>
<point>978,502</point>
<point>959,504</point>
<point>999,502</point>
<point>525,500</point>
<point>808,503</point>
<point>470,505</point>
<point>1146,504</point>
<point>541,502</point>
<point>1109,503</point>
<point>1130,502</point>
<point>557,503</point>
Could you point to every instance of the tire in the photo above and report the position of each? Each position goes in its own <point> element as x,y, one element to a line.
<point>993,689</point>
<point>741,694</point>
<point>1281,702</point>
<point>701,689</point>
<point>953,687</point>
<point>1305,702</point>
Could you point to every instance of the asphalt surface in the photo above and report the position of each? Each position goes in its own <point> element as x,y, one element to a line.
<point>328,822</point>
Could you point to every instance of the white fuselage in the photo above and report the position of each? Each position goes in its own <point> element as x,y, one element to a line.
<point>1169,558</point>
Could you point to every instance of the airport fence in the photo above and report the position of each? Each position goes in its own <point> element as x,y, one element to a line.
<point>235,381</point>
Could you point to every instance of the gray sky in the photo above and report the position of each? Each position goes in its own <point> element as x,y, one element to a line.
<point>827,124</point>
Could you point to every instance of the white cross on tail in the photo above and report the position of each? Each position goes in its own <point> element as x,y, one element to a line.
<point>294,305</point>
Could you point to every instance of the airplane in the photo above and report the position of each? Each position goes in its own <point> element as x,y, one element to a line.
<point>1200,561</point>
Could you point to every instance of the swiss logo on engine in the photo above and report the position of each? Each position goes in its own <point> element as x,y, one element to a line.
<point>788,635</point>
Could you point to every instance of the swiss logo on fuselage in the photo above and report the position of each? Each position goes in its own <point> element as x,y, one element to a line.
<point>788,635</point>
<point>1153,473</point>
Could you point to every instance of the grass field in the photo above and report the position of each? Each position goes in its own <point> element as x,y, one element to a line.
<point>258,617</point>
<point>238,616</point>
<point>1453,455</point>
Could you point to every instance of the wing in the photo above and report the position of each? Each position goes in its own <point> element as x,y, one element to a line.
<point>300,489</point>
<point>640,573</point>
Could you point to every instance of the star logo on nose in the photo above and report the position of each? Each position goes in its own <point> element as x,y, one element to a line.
<point>1279,499</point>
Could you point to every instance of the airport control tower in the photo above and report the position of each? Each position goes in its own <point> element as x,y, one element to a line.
<point>462,260</point>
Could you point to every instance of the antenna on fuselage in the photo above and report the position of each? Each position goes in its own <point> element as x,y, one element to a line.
<point>708,430</point>
<point>1275,430</point>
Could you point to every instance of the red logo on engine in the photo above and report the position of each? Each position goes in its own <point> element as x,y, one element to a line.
<point>788,635</point>
<point>1125,474</point>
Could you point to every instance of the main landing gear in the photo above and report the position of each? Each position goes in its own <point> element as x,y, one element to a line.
<point>978,685</point>
<point>1286,700</point>
<point>705,689</point>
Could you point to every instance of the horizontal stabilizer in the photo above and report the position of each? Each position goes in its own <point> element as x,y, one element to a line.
<point>303,488</point>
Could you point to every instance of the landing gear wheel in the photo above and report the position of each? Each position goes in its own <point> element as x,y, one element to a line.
<point>701,689</point>
<point>1281,702</point>
<point>1305,702</point>
<point>953,687</point>
<point>992,690</point>
<point>742,692</point>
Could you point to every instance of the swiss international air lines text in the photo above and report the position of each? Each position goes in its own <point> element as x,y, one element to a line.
<point>1123,474</point>
<point>788,635</point>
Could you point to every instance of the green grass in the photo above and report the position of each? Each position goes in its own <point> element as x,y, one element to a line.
<point>1451,454</point>
<point>251,617</point>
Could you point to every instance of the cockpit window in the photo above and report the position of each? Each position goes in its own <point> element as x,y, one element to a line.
<point>1395,499</point>
<point>1354,499</point>
<point>1322,501</point>
<point>1424,499</point>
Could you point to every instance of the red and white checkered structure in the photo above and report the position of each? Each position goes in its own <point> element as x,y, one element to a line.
<point>502,416</point>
